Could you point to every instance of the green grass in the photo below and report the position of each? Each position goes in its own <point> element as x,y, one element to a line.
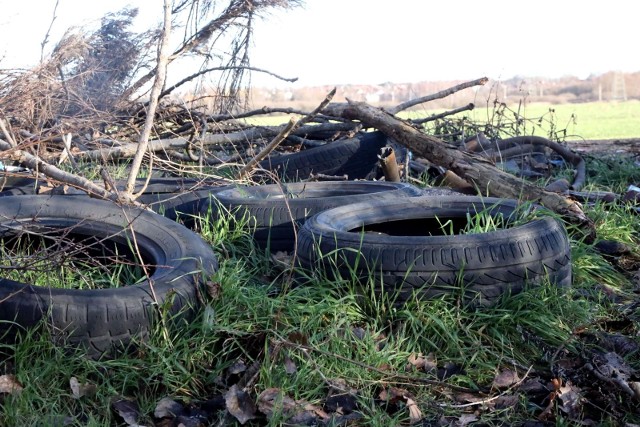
<point>311,337</point>
<point>593,120</point>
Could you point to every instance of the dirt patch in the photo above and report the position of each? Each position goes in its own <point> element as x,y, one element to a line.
<point>610,146</point>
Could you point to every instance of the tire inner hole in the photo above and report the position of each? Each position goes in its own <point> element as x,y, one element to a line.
<point>63,258</point>
<point>440,226</point>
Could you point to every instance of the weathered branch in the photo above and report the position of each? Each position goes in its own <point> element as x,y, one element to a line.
<point>444,114</point>
<point>290,127</point>
<point>36,163</point>
<point>161,73</point>
<point>286,130</point>
<point>442,94</point>
<point>128,150</point>
<point>170,89</point>
<point>234,11</point>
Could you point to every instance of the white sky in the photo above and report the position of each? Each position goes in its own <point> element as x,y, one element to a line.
<point>375,41</point>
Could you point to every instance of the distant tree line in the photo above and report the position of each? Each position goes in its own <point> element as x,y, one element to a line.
<point>605,87</point>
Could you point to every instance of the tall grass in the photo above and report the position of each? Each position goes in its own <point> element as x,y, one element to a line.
<point>319,335</point>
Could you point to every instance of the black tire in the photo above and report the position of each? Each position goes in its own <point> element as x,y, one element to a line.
<point>103,320</point>
<point>355,157</point>
<point>170,197</point>
<point>180,199</point>
<point>276,219</point>
<point>397,248</point>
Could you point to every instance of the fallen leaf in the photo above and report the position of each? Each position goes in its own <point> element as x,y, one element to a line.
<point>341,404</point>
<point>507,401</point>
<point>168,407</point>
<point>81,389</point>
<point>296,412</point>
<point>468,398</point>
<point>505,379</point>
<point>612,368</point>
<point>393,394</point>
<point>465,420</point>
<point>214,290</point>
<point>415,414</point>
<point>318,411</point>
<point>415,360</point>
<point>572,400</point>
<point>289,366</point>
<point>430,363</point>
<point>183,421</point>
<point>9,384</point>
<point>128,411</point>
<point>237,368</point>
<point>240,404</point>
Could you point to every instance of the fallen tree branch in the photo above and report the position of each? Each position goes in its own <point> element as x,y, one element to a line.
<point>476,170</point>
<point>444,114</point>
<point>170,89</point>
<point>128,150</point>
<point>36,163</point>
<point>286,130</point>
<point>442,94</point>
<point>290,127</point>
<point>158,83</point>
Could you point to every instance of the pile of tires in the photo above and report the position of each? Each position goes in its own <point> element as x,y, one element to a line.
<point>103,321</point>
<point>397,243</point>
<point>385,234</point>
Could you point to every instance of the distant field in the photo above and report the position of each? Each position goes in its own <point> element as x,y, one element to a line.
<point>595,120</point>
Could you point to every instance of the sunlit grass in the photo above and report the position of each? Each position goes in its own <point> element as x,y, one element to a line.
<point>307,332</point>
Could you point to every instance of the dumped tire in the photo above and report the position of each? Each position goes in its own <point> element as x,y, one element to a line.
<point>170,197</point>
<point>401,249</point>
<point>275,218</point>
<point>102,320</point>
<point>355,157</point>
<point>180,198</point>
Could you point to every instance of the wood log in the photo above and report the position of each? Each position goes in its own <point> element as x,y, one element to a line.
<point>476,170</point>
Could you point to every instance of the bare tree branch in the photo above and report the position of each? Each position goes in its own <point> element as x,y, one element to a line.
<point>161,74</point>
<point>170,89</point>
<point>442,94</point>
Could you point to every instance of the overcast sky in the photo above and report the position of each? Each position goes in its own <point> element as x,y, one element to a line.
<point>375,41</point>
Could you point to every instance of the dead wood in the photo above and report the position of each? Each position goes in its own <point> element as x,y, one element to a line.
<point>389,165</point>
<point>37,164</point>
<point>442,94</point>
<point>173,144</point>
<point>171,88</point>
<point>158,84</point>
<point>476,170</point>
<point>444,114</point>
<point>286,130</point>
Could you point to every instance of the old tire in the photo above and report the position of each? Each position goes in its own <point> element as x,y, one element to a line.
<point>103,320</point>
<point>170,197</point>
<point>355,157</point>
<point>275,218</point>
<point>406,261</point>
